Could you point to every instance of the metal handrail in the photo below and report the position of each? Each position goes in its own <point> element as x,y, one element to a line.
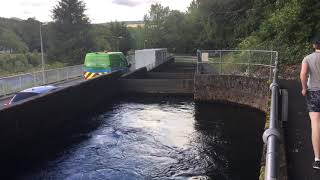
<point>238,50</point>
<point>272,136</point>
<point>263,65</point>
<point>12,84</point>
<point>31,73</point>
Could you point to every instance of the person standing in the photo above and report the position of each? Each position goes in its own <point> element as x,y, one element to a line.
<point>310,81</point>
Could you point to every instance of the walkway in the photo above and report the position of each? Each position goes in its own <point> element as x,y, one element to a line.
<point>297,133</point>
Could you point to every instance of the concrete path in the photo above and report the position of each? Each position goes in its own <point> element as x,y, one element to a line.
<point>297,136</point>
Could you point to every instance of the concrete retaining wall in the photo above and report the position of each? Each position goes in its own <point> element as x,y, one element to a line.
<point>24,122</point>
<point>235,89</point>
<point>163,75</point>
<point>157,86</point>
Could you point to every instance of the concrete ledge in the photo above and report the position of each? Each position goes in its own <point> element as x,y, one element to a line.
<point>241,90</point>
<point>157,86</point>
<point>160,75</point>
<point>136,74</point>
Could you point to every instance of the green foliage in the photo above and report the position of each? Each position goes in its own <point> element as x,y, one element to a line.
<point>100,34</point>
<point>18,63</point>
<point>138,37</point>
<point>11,64</point>
<point>288,29</point>
<point>154,25</point>
<point>286,26</point>
<point>70,36</point>
<point>120,38</point>
<point>9,41</point>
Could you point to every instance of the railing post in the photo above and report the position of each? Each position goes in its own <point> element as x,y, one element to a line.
<point>220,62</point>
<point>199,60</point>
<point>20,82</point>
<point>271,59</point>
<point>58,75</point>
<point>34,79</point>
<point>3,90</point>
<point>249,61</point>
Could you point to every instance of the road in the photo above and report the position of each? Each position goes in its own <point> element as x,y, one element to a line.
<point>66,83</point>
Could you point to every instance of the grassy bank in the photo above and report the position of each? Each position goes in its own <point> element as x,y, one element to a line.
<point>13,64</point>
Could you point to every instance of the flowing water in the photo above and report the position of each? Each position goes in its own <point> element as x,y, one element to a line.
<point>160,138</point>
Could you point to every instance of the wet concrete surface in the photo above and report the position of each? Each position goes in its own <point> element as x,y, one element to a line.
<point>151,138</point>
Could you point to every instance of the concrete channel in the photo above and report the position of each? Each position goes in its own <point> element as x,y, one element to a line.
<point>49,117</point>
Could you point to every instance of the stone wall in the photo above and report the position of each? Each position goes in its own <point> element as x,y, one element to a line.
<point>235,89</point>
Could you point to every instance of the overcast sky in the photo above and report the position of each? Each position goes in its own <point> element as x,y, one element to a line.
<point>99,11</point>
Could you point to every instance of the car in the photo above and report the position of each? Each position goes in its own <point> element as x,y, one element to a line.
<point>28,93</point>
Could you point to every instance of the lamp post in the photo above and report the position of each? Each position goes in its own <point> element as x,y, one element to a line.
<point>42,58</point>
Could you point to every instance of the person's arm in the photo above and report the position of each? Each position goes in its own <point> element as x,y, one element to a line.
<point>304,77</point>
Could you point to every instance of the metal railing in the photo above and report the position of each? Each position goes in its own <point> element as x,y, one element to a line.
<point>255,63</point>
<point>272,135</point>
<point>12,84</point>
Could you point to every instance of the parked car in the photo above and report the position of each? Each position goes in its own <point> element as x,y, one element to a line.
<point>27,93</point>
<point>100,63</point>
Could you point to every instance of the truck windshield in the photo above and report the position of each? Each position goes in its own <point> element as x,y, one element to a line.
<point>22,95</point>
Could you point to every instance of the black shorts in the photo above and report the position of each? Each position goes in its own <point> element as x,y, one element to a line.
<point>313,101</point>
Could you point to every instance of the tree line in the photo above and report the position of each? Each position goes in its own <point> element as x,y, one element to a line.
<point>287,26</point>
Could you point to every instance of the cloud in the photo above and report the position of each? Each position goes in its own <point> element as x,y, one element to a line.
<point>32,4</point>
<point>132,3</point>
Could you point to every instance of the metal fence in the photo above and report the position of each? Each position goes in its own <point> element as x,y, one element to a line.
<point>12,84</point>
<point>255,63</point>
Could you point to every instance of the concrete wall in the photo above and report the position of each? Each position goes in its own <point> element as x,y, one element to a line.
<point>26,121</point>
<point>235,89</point>
<point>144,82</point>
<point>157,86</point>
<point>163,75</point>
<point>136,74</point>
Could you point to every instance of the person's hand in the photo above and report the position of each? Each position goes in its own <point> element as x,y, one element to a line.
<point>304,92</point>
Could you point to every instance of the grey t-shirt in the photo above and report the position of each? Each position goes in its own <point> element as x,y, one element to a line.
<point>313,61</point>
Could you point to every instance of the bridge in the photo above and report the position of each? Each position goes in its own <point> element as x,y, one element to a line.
<point>30,129</point>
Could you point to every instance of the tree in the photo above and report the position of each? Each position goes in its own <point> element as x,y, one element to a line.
<point>29,33</point>
<point>70,37</point>
<point>101,34</point>
<point>120,38</point>
<point>154,25</point>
